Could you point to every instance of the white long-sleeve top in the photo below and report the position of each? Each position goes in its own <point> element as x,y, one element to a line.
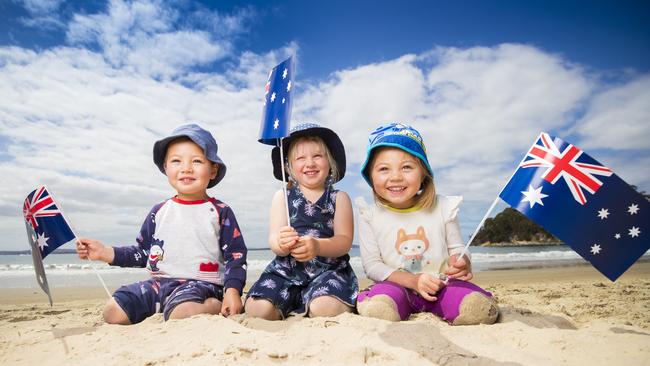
<point>411,240</point>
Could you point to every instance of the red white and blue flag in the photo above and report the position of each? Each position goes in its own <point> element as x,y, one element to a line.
<point>581,202</point>
<point>46,220</point>
<point>47,230</point>
<point>580,177</point>
<point>276,115</point>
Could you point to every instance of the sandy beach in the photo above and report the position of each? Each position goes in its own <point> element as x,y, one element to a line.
<point>549,316</point>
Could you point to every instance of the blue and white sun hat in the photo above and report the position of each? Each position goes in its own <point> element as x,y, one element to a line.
<point>397,135</point>
<point>199,136</point>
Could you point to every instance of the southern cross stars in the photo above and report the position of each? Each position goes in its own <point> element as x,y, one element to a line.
<point>632,209</point>
<point>595,249</point>
<point>284,74</point>
<point>273,97</point>
<point>42,241</point>
<point>289,86</point>
<point>276,124</point>
<point>533,196</point>
<point>603,213</point>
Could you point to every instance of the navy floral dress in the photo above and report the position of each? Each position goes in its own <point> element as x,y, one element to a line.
<point>291,285</point>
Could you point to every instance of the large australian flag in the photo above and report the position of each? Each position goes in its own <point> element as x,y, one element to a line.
<point>276,115</point>
<point>581,202</point>
<point>47,230</point>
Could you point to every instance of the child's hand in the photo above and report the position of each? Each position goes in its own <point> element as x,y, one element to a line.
<point>94,250</point>
<point>427,286</point>
<point>306,249</point>
<point>459,268</point>
<point>287,238</point>
<point>231,303</point>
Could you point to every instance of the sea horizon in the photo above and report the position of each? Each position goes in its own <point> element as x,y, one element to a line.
<point>65,269</point>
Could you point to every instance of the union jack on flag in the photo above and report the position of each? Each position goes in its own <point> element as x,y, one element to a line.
<point>609,229</point>
<point>40,204</point>
<point>564,164</point>
<point>46,220</point>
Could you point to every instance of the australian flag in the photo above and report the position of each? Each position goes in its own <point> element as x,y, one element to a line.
<point>276,116</point>
<point>47,230</point>
<point>581,202</point>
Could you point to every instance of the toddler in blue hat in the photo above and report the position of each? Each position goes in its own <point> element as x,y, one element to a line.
<point>410,238</point>
<point>190,243</point>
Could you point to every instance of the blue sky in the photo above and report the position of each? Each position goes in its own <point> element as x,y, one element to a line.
<point>104,80</point>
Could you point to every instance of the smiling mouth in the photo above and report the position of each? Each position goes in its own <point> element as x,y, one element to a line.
<point>186,180</point>
<point>311,173</point>
<point>396,189</point>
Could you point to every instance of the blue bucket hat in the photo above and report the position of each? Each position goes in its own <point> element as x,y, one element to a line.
<point>397,135</point>
<point>200,137</point>
<point>331,139</point>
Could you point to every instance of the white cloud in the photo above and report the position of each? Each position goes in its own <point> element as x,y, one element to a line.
<point>618,118</point>
<point>501,97</point>
<point>40,7</point>
<point>151,37</point>
<point>44,14</point>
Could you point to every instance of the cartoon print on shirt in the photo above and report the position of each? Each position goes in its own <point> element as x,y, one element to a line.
<point>411,247</point>
<point>156,254</point>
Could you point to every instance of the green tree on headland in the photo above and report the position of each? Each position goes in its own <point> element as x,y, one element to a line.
<point>510,226</point>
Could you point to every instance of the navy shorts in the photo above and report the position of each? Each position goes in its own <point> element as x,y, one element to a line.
<point>292,298</point>
<point>141,300</point>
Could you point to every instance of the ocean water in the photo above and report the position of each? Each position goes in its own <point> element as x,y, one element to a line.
<point>67,270</point>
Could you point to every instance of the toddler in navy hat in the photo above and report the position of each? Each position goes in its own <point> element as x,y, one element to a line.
<point>311,273</point>
<point>410,238</point>
<point>190,243</point>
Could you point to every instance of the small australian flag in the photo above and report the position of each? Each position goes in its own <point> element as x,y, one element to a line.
<point>47,230</point>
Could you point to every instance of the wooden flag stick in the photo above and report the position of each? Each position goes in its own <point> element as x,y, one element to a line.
<point>480,225</point>
<point>284,184</point>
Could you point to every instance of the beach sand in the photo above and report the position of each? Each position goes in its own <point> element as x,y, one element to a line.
<point>553,316</point>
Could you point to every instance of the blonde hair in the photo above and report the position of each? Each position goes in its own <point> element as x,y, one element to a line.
<point>425,199</point>
<point>334,169</point>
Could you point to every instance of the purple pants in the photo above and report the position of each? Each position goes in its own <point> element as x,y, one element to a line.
<point>410,302</point>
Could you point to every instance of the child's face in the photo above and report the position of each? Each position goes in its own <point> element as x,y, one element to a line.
<point>188,170</point>
<point>309,165</point>
<point>396,177</point>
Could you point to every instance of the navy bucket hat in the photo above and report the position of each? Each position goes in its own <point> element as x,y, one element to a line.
<point>397,135</point>
<point>199,136</point>
<point>331,139</point>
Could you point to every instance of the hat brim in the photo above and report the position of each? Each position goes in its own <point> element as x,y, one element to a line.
<point>331,139</point>
<point>160,150</point>
<point>371,151</point>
